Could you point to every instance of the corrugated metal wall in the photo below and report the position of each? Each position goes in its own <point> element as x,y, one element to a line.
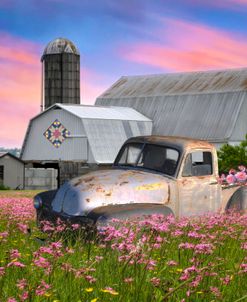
<point>107,136</point>
<point>203,116</point>
<point>240,129</point>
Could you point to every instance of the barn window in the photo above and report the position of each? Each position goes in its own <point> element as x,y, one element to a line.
<point>1,174</point>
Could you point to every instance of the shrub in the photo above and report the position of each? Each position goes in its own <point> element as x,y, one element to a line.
<point>232,156</point>
<point>3,187</point>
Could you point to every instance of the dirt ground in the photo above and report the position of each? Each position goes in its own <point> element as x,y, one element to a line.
<point>18,193</point>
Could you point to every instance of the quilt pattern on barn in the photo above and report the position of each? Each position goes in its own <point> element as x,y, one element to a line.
<point>56,133</point>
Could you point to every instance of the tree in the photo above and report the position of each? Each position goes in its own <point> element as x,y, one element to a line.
<point>230,157</point>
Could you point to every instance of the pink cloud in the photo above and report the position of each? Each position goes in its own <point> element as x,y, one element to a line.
<point>20,80</point>
<point>190,46</point>
<point>92,85</point>
<point>20,93</point>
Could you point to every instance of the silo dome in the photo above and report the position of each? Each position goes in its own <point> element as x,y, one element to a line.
<point>60,45</point>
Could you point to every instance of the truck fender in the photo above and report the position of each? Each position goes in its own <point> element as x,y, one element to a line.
<point>238,200</point>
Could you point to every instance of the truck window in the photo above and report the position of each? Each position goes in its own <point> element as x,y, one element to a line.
<point>198,163</point>
<point>149,156</point>
<point>130,154</point>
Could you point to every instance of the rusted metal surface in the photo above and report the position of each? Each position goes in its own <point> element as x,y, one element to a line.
<point>111,187</point>
<point>179,83</point>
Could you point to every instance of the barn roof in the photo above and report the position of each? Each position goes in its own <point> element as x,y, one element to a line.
<point>201,105</point>
<point>3,154</point>
<point>104,113</point>
<point>99,112</point>
<point>199,82</point>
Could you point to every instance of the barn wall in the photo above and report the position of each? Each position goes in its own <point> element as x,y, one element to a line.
<point>107,136</point>
<point>38,148</point>
<point>240,129</point>
<point>13,172</point>
<point>208,116</point>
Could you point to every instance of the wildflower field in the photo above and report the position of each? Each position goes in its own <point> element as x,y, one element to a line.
<point>153,259</point>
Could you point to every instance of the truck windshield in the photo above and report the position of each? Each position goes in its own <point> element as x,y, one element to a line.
<point>149,156</point>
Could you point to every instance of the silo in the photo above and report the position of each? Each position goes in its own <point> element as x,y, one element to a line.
<point>60,73</point>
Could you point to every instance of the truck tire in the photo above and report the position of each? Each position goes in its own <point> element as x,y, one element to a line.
<point>238,200</point>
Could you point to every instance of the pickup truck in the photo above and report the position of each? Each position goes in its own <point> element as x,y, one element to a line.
<point>151,175</point>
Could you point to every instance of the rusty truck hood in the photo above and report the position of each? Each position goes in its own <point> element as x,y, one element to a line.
<point>111,187</point>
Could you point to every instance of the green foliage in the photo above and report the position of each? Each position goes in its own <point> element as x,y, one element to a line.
<point>230,157</point>
<point>3,187</point>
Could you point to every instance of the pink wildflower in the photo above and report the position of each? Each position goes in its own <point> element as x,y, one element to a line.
<point>24,296</point>
<point>22,227</point>
<point>12,300</point>
<point>242,168</point>
<point>231,179</point>
<point>204,248</point>
<point>177,233</point>
<point>16,263</point>
<point>215,291</point>
<point>42,262</point>
<point>196,281</point>
<point>128,280</point>
<point>75,226</point>
<point>99,258</point>
<point>2,271</point>
<point>4,234</point>
<point>21,284</point>
<point>186,246</point>
<point>14,254</point>
<point>90,279</point>
<point>226,280</point>
<point>244,246</point>
<point>42,288</point>
<point>155,281</point>
<point>244,267</point>
<point>172,263</point>
<point>241,176</point>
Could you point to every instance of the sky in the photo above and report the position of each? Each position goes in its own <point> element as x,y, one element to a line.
<point>115,38</point>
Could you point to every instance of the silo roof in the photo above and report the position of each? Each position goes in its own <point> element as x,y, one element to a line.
<point>60,45</point>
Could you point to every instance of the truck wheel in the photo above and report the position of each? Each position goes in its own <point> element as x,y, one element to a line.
<point>238,200</point>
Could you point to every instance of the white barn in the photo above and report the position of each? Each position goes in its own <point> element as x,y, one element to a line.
<point>71,137</point>
<point>208,105</point>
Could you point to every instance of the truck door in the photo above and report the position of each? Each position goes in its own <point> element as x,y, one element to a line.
<point>199,192</point>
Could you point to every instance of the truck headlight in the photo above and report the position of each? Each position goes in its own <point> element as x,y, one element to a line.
<point>37,202</point>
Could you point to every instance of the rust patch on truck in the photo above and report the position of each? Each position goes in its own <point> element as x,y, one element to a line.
<point>123,183</point>
<point>89,179</point>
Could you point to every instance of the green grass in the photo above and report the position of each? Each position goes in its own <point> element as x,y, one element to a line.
<point>132,262</point>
